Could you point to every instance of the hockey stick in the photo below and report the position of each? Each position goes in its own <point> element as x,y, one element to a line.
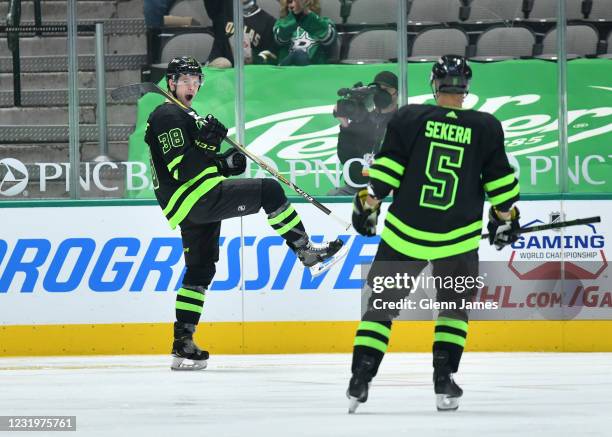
<point>140,89</point>
<point>136,90</point>
<point>557,225</point>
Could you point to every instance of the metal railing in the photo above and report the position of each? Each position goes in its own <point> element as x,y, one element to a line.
<point>14,30</point>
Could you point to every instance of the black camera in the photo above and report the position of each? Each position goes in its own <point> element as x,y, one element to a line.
<point>356,102</point>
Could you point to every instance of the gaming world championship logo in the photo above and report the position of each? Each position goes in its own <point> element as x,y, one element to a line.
<point>576,253</point>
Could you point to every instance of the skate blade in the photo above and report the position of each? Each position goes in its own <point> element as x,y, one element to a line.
<point>447,403</point>
<point>353,404</point>
<point>180,364</point>
<point>322,267</point>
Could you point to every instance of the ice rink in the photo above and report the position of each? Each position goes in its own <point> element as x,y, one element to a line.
<point>511,394</point>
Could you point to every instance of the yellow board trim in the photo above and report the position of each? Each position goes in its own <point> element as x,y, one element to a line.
<point>299,337</point>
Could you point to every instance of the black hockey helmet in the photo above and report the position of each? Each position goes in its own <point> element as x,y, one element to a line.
<point>183,65</point>
<point>451,74</point>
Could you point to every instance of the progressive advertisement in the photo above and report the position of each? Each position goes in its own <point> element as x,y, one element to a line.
<point>120,264</point>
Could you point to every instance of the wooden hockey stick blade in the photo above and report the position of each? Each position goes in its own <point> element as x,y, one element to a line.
<point>556,225</point>
<point>133,91</point>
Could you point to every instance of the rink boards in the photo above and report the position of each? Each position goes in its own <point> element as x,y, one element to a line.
<point>102,280</point>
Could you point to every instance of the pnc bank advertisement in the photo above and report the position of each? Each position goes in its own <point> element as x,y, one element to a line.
<point>290,123</point>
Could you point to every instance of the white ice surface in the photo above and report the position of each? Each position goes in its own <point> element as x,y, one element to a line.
<point>506,394</point>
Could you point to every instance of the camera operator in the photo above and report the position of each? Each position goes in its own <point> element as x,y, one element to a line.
<point>363,113</point>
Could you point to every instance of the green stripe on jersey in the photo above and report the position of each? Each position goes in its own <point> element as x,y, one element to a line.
<point>428,252</point>
<point>501,198</point>
<point>433,236</point>
<point>176,161</point>
<point>192,198</point>
<point>391,164</point>
<point>384,177</point>
<point>177,194</point>
<point>498,183</point>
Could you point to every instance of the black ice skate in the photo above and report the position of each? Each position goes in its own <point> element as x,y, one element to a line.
<point>320,257</point>
<point>447,392</point>
<point>446,389</point>
<point>359,384</point>
<point>184,348</point>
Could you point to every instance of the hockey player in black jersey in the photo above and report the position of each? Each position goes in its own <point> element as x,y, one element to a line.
<point>189,176</point>
<point>439,161</point>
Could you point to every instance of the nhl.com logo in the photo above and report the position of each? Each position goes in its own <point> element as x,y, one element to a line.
<point>13,177</point>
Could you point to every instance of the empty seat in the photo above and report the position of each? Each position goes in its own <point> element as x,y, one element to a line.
<point>197,45</point>
<point>581,41</point>
<point>372,45</point>
<point>608,54</point>
<point>430,44</point>
<point>495,10</point>
<point>434,11</point>
<point>601,10</point>
<point>504,42</point>
<point>272,7</point>
<point>331,10</point>
<point>547,10</point>
<point>373,12</point>
<point>191,8</point>
<point>333,54</point>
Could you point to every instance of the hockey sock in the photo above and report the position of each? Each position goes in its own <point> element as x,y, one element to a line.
<point>287,223</point>
<point>372,339</point>
<point>189,303</point>
<point>450,335</point>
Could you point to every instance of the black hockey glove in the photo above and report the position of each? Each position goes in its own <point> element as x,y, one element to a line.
<point>503,232</point>
<point>211,134</point>
<point>364,217</point>
<point>231,163</point>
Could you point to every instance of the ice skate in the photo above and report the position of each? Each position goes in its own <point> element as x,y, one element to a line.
<point>446,389</point>
<point>186,355</point>
<point>447,392</point>
<point>319,258</point>
<point>357,392</point>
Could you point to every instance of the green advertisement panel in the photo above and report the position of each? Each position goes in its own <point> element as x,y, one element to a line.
<point>289,118</point>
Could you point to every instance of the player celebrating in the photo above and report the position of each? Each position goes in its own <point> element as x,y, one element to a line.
<point>439,160</point>
<point>189,179</point>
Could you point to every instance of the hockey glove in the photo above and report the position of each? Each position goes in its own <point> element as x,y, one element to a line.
<point>365,216</point>
<point>211,134</point>
<point>231,163</point>
<point>503,232</point>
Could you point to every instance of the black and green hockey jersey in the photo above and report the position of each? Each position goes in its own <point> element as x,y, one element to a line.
<point>439,162</point>
<point>182,167</point>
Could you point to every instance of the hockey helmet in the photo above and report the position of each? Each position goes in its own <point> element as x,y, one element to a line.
<point>451,74</point>
<point>183,65</point>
